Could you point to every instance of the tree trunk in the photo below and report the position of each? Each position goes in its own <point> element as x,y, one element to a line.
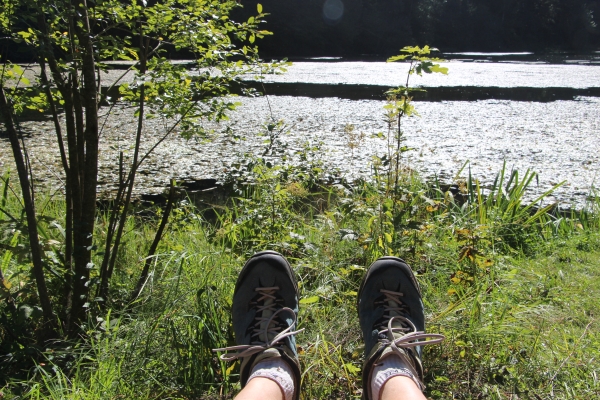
<point>88,153</point>
<point>36,251</point>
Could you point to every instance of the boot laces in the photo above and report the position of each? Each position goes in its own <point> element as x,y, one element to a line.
<point>395,322</point>
<point>398,332</point>
<point>266,331</point>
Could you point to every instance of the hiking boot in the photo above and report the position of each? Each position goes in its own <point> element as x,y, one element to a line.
<point>264,312</point>
<point>391,315</point>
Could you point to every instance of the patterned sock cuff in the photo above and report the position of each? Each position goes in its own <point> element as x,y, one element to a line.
<point>277,370</point>
<point>388,368</point>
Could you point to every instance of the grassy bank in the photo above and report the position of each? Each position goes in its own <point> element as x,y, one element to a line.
<point>514,289</point>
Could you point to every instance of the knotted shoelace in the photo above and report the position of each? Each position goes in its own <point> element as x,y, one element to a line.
<point>264,327</point>
<point>410,336</point>
<point>392,306</point>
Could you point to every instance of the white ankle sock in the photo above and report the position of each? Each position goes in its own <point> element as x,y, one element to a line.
<point>277,370</point>
<point>386,369</point>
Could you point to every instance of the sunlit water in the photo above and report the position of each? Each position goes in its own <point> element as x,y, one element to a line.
<point>485,74</point>
<point>560,140</point>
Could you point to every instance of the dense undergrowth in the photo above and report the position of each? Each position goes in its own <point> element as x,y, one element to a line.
<point>513,287</point>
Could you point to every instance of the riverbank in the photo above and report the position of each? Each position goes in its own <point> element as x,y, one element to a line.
<point>515,293</point>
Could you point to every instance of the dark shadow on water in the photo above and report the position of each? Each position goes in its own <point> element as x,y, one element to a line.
<point>564,57</point>
<point>30,115</point>
<point>446,93</point>
<point>25,133</point>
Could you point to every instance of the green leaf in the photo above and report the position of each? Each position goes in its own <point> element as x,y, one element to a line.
<point>309,300</point>
<point>397,58</point>
<point>259,8</point>
<point>410,49</point>
<point>388,237</point>
<point>229,370</point>
<point>438,69</point>
<point>351,368</point>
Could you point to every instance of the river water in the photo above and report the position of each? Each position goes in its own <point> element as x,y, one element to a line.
<point>585,74</point>
<point>560,140</point>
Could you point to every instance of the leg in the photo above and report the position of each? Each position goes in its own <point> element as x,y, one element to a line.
<point>391,315</point>
<point>401,387</point>
<point>260,389</point>
<point>264,312</point>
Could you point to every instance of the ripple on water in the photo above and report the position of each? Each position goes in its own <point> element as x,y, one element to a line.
<point>559,140</point>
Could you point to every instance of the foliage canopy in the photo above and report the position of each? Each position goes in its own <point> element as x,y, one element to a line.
<point>75,46</point>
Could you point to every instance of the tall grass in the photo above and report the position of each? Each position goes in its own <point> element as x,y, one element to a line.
<point>512,284</point>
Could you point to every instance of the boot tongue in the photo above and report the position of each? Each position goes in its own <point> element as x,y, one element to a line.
<point>268,353</point>
<point>266,314</point>
<point>396,323</point>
